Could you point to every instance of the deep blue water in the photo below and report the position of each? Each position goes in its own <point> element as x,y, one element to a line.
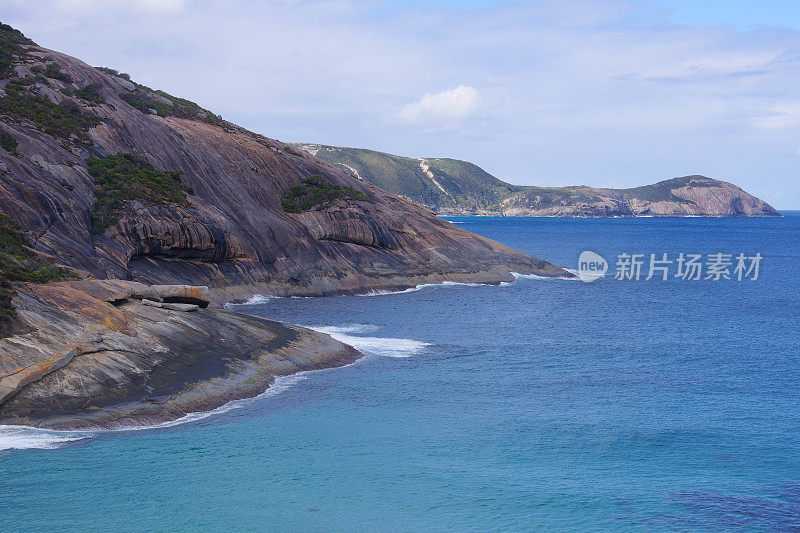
<point>615,405</point>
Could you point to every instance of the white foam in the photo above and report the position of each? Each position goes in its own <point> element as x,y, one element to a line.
<point>384,292</point>
<point>259,299</point>
<point>281,384</point>
<point>381,346</point>
<point>517,276</point>
<point>344,330</point>
<point>28,438</point>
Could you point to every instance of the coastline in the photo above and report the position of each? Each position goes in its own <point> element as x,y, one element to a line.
<point>135,365</point>
<point>101,357</point>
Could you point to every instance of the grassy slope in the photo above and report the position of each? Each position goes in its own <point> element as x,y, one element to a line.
<point>472,188</point>
<point>466,184</point>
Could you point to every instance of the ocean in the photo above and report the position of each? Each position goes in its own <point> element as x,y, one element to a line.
<point>625,405</point>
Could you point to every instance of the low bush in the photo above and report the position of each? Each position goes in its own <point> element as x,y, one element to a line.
<point>10,47</point>
<point>90,93</point>
<point>146,99</point>
<point>53,71</point>
<point>7,141</point>
<point>19,263</point>
<point>112,72</point>
<point>122,178</point>
<point>53,119</point>
<point>315,192</point>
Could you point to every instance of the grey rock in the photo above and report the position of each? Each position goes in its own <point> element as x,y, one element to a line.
<point>187,308</point>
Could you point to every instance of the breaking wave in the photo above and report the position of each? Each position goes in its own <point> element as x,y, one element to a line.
<point>28,438</point>
<point>384,292</point>
<point>381,346</point>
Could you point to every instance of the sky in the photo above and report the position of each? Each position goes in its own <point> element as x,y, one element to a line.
<point>610,93</point>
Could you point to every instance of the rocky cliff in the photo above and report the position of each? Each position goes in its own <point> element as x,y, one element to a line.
<point>226,226</point>
<point>117,194</point>
<point>453,187</point>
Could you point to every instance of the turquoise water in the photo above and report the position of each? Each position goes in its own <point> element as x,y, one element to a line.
<point>614,405</point>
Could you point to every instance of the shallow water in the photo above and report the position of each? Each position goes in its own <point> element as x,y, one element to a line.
<point>644,405</point>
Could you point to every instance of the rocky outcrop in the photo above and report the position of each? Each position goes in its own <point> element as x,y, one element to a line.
<point>101,358</point>
<point>232,230</point>
<point>453,187</point>
<point>686,196</point>
<point>140,338</point>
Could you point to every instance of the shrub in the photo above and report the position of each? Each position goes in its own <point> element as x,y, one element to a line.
<point>7,141</point>
<point>20,263</point>
<point>122,178</point>
<point>112,72</point>
<point>144,99</point>
<point>7,311</point>
<point>90,93</point>
<point>53,71</point>
<point>10,46</point>
<point>289,150</point>
<point>56,120</point>
<point>315,192</point>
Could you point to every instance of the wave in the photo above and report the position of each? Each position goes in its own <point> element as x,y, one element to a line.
<point>29,438</point>
<point>381,346</point>
<point>258,299</point>
<point>517,276</point>
<point>384,292</point>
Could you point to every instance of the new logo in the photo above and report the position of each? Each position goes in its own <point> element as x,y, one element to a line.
<point>591,266</point>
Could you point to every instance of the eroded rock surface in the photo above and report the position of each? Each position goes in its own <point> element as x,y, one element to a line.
<point>93,364</point>
<point>232,231</point>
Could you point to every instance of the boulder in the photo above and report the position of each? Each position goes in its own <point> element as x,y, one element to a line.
<point>183,294</point>
<point>187,308</point>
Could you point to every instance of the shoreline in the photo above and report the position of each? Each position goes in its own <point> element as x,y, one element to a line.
<point>137,366</point>
<point>153,365</point>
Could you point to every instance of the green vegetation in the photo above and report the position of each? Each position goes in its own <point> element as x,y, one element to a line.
<point>7,141</point>
<point>289,150</point>
<point>144,99</point>
<point>112,72</point>
<point>10,46</point>
<point>20,263</point>
<point>543,197</point>
<point>53,71</point>
<point>317,193</point>
<point>163,104</point>
<point>57,120</point>
<point>90,93</point>
<point>465,185</point>
<point>122,178</point>
<point>662,191</point>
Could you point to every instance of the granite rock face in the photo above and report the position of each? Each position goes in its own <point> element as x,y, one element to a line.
<point>686,196</point>
<point>98,359</point>
<point>232,232</point>
<point>139,339</point>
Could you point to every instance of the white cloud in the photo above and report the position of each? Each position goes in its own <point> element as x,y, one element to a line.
<point>449,107</point>
<point>164,7</point>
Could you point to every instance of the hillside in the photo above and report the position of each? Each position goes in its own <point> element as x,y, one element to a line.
<point>453,187</point>
<point>129,215</point>
<point>117,180</point>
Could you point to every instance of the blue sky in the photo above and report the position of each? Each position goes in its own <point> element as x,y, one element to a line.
<point>613,93</point>
<point>741,14</point>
